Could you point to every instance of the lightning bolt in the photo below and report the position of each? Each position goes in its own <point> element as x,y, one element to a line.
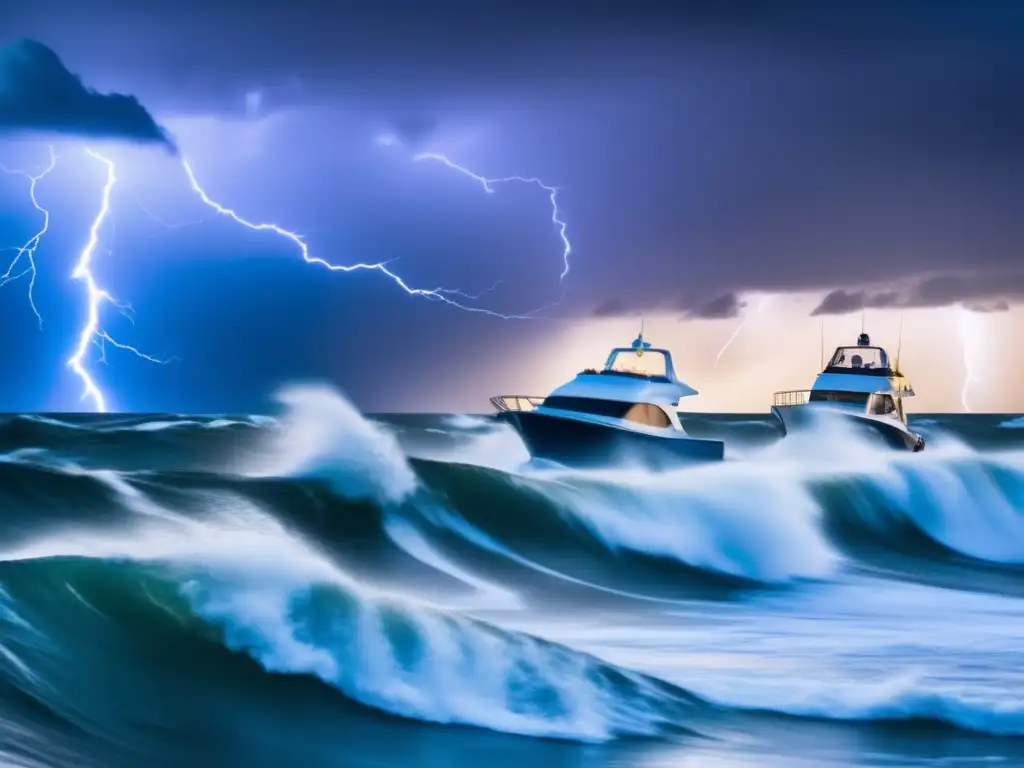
<point>28,250</point>
<point>739,328</point>
<point>728,343</point>
<point>390,139</point>
<point>488,187</point>
<point>967,335</point>
<point>437,294</point>
<point>92,332</point>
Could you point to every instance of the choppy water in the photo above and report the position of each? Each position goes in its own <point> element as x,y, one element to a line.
<point>323,589</point>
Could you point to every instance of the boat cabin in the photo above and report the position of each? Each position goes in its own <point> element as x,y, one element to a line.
<point>637,384</point>
<point>861,377</point>
<point>864,361</point>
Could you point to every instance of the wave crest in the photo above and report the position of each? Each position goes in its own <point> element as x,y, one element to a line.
<point>324,436</point>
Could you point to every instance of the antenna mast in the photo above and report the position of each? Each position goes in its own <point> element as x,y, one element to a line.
<point>638,343</point>
<point>899,345</point>
<point>821,356</point>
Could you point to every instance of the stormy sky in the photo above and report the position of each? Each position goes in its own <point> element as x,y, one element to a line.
<point>839,157</point>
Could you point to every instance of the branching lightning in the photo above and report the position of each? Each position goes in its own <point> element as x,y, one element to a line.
<point>28,250</point>
<point>437,294</point>
<point>172,225</point>
<point>747,317</point>
<point>487,184</point>
<point>92,332</point>
<point>392,139</point>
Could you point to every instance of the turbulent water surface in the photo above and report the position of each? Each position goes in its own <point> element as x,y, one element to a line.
<point>322,588</point>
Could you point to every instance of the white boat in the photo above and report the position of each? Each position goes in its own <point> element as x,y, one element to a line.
<point>626,411</point>
<point>858,384</point>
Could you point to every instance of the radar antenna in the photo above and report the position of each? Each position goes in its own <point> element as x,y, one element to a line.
<point>863,340</point>
<point>638,343</point>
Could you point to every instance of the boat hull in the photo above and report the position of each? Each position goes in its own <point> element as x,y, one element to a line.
<point>579,443</point>
<point>794,418</point>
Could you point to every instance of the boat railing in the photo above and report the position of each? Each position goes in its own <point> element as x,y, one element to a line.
<point>516,402</point>
<point>791,397</point>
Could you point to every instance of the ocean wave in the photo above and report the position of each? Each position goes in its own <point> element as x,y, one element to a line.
<point>185,423</point>
<point>278,601</point>
<point>127,442</point>
<point>435,667</point>
<point>324,436</point>
<point>968,504</point>
<point>411,540</point>
<point>273,599</point>
<point>468,422</point>
<point>752,525</point>
<point>901,699</point>
<point>276,593</point>
<point>714,519</point>
<point>157,572</point>
<point>773,518</point>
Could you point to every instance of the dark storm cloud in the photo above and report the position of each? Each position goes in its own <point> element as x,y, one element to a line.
<point>205,47</point>
<point>39,94</point>
<point>706,148</point>
<point>724,307</point>
<point>723,146</point>
<point>841,302</point>
<point>979,292</point>
<point>610,308</point>
<point>617,308</point>
<point>987,307</point>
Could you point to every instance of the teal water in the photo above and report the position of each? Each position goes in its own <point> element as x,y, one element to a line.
<point>327,589</point>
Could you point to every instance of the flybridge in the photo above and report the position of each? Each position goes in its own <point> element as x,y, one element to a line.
<point>637,373</point>
<point>860,384</point>
<point>862,360</point>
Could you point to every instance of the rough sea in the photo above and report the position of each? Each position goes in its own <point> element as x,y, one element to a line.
<point>317,587</point>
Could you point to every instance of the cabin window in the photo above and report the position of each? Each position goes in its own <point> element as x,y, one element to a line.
<point>862,360</point>
<point>645,413</point>
<point>859,357</point>
<point>638,413</point>
<point>836,396</point>
<point>650,363</point>
<point>882,405</point>
<point>591,405</point>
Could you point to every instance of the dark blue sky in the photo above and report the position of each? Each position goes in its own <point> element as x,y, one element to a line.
<point>703,150</point>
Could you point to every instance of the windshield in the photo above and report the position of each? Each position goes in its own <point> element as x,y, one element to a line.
<point>643,363</point>
<point>852,358</point>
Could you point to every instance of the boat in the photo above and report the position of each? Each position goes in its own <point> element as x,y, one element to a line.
<point>857,384</point>
<point>623,413</point>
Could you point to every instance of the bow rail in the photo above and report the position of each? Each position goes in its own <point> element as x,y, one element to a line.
<point>516,402</point>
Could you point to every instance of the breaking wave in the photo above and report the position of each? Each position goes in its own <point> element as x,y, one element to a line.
<point>332,554</point>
